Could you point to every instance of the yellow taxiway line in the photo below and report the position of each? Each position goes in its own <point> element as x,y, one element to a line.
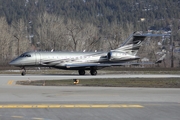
<point>70,106</point>
<point>10,82</point>
<point>17,116</point>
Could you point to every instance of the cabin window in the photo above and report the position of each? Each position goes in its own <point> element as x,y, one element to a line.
<point>28,55</point>
<point>25,55</point>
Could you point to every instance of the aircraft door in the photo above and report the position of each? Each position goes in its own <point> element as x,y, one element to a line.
<point>38,59</point>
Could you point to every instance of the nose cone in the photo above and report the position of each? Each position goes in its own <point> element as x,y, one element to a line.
<point>14,62</point>
<point>11,63</point>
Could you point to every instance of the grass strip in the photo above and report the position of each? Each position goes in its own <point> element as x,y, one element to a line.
<point>112,82</point>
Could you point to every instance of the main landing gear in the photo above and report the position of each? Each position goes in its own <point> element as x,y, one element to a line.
<point>23,71</point>
<point>93,71</point>
<point>81,72</point>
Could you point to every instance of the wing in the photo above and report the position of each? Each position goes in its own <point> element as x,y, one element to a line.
<point>104,64</point>
<point>87,65</point>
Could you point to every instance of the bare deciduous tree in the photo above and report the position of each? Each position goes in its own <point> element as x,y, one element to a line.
<point>5,41</point>
<point>82,36</point>
<point>19,32</point>
<point>116,34</point>
<point>50,32</point>
<point>53,33</point>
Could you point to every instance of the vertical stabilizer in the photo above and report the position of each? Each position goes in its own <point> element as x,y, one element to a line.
<point>132,44</point>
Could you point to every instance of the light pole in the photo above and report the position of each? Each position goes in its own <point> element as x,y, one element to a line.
<point>172,50</point>
<point>18,43</point>
<point>172,45</point>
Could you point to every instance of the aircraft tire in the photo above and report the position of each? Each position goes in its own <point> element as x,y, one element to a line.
<point>81,72</point>
<point>93,72</point>
<point>23,73</point>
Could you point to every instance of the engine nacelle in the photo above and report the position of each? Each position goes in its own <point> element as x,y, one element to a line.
<point>118,56</point>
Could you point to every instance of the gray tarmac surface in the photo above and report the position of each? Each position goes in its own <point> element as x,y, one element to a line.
<point>86,103</point>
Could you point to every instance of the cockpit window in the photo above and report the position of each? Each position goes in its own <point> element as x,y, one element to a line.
<point>25,55</point>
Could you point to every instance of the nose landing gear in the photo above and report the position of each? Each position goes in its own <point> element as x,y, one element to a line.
<point>23,71</point>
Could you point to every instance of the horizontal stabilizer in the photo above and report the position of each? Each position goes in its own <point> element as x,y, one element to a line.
<point>161,59</point>
<point>152,35</point>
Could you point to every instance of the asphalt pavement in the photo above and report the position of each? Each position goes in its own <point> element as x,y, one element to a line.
<point>86,103</point>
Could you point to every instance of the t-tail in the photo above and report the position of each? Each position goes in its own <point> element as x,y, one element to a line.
<point>128,50</point>
<point>132,44</point>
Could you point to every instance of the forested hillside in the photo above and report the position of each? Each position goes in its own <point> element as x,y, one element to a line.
<point>77,25</point>
<point>98,12</point>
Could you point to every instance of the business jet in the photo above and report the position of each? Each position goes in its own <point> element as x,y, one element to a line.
<point>83,61</point>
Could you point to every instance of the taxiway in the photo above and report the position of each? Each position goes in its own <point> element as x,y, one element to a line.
<point>86,103</point>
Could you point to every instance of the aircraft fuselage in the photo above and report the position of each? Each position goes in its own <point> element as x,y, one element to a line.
<point>62,59</point>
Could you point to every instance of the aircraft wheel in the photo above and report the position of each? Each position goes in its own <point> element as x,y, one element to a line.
<point>81,72</point>
<point>23,73</point>
<point>93,72</point>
